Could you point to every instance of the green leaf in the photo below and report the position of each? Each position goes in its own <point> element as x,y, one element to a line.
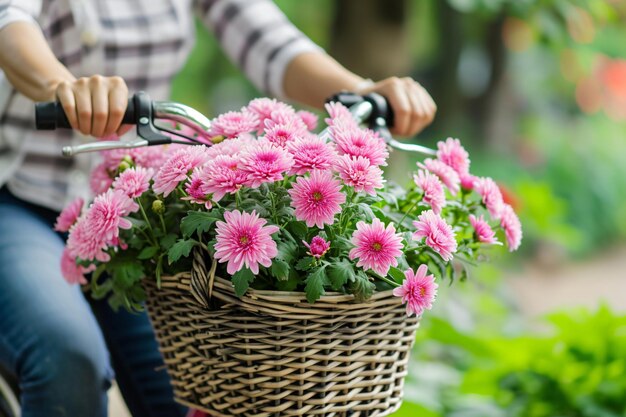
<point>397,275</point>
<point>126,273</point>
<point>298,229</point>
<point>197,221</point>
<point>136,222</point>
<point>340,273</point>
<point>168,241</point>
<point>180,248</point>
<point>291,283</point>
<point>362,287</point>
<point>148,252</point>
<point>287,250</point>
<point>342,243</point>
<point>242,280</point>
<point>280,269</point>
<point>366,211</point>
<point>315,283</point>
<point>305,264</point>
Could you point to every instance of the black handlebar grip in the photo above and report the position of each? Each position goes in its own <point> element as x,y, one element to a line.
<point>381,107</point>
<point>50,115</point>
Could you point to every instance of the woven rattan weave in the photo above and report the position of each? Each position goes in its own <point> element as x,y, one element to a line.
<point>272,354</point>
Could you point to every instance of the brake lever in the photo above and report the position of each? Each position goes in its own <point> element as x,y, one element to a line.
<point>149,134</point>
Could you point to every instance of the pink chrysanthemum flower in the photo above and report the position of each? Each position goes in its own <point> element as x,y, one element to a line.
<point>99,179</point>
<point>69,215</point>
<point>176,169</point>
<point>308,118</point>
<point>231,147</point>
<point>245,240</point>
<point>73,273</point>
<point>263,109</point>
<point>432,189</point>
<point>152,156</point>
<point>106,214</point>
<point>265,163</point>
<point>234,123</point>
<point>446,174</point>
<point>134,181</point>
<point>219,177</point>
<point>317,198</point>
<point>361,142</point>
<point>483,231</point>
<point>357,172</point>
<point>512,227</point>
<point>439,234</point>
<point>418,291</point>
<point>491,195</point>
<point>339,115</point>
<point>318,247</point>
<point>83,244</point>
<point>468,181</point>
<point>310,153</point>
<point>377,247</point>
<point>454,155</point>
<point>195,190</point>
<point>281,134</point>
<point>284,116</point>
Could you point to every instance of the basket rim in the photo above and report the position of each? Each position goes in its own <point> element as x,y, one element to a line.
<point>329,296</point>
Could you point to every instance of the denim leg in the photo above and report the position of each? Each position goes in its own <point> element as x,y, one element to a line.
<point>138,365</point>
<point>48,335</point>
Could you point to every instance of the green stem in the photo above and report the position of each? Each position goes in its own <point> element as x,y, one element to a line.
<point>145,217</point>
<point>273,200</point>
<point>390,282</point>
<point>407,213</point>
<point>163,223</point>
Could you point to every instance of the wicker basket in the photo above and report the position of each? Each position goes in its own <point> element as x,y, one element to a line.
<point>272,354</point>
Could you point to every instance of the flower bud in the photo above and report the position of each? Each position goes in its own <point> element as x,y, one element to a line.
<point>124,165</point>
<point>158,207</point>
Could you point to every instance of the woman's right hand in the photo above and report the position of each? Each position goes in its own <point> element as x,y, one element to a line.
<point>95,105</point>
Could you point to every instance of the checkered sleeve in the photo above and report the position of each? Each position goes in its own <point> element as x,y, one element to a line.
<point>19,11</point>
<point>258,37</point>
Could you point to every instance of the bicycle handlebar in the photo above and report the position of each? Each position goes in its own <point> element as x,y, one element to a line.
<point>51,115</point>
<point>372,109</point>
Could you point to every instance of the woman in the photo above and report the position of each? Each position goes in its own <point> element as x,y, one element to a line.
<point>89,55</point>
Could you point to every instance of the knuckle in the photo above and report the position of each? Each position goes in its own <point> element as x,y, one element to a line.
<point>82,81</point>
<point>64,86</point>
<point>117,81</point>
<point>96,80</point>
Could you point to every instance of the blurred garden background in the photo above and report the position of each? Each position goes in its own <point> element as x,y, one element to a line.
<point>536,90</point>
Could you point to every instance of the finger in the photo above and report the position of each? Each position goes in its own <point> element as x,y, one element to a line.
<point>82,96</point>
<point>432,107</point>
<point>418,109</point>
<point>118,101</point>
<point>65,96</point>
<point>401,106</point>
<point>99,105</point>
<point>123,129</point>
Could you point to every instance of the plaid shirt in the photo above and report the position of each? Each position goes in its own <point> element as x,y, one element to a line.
<point>143,41</point>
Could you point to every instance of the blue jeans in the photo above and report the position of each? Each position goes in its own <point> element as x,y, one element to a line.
<point>55,340</point>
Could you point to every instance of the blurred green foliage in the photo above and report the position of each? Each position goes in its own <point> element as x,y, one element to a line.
<point>576,370</point>
<point>565,167</point>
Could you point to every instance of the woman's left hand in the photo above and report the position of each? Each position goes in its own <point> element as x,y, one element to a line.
<point>413,107</point>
